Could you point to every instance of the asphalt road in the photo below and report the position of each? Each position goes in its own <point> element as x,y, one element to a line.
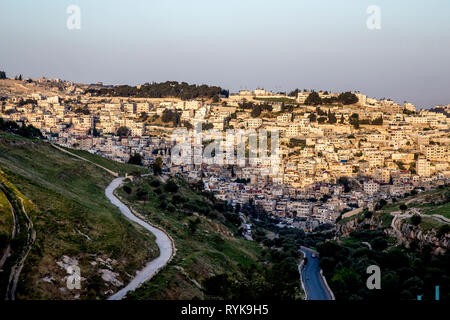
<point>312,280</point>
<point>162,240</point>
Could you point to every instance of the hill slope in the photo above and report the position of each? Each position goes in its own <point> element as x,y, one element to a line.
<point>213,261</point>
<point>73,220</point>
<point>408,239</point>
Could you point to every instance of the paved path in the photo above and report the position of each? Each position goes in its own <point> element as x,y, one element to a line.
<point>315,287</point>
<point>164,242</point>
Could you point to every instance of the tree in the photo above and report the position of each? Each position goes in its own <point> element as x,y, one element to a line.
<point>403,207</point>
<point>218,285</point>
<point>378,121</point>
<point>331,117</point>
<point>348,98</point>
<point>135,159</point>
<point>157,166</point>
<point>142,195</point>
<point>320,112</point>
<point>381,203</point>
<point>354,120</point>
<point>182,90</point>
<point>27,131</point>
<point>171,116</point>
<point>443,230</point>
<point>313,99</point>
<point>171,186</point>
<point>208,126</point>
<point>321,120</point>
<point>193,224</point>
<point>187,125</point>
<point>256,111</point>
<point>127,189</point>
<point>123,132</point>
<point>312,117</point>
<point>379,243</point>
<point>416,220</point>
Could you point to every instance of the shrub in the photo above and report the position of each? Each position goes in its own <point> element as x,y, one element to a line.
<point>163,204</point>
<point>171,186</point>
<point>177,199</point>
<point>155,183</point>
<point>443,230</point>
<point>379,243</point>
<point>416,220</point>
<point>127,189</point>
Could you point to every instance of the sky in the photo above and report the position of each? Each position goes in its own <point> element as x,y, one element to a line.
<point>278,45</point>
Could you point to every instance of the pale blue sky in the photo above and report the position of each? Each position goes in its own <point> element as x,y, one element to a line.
<point>237,44</point>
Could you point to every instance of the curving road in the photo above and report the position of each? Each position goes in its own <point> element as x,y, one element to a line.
<point>314,285</point>
<point>164,242</point>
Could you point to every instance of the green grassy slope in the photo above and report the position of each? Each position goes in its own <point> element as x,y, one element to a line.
<point>430,202</point>
<point>72,217</point>
<point>118,167</point>
<point>6,222</point>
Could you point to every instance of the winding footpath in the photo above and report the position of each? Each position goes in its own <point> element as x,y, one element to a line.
<point>163,240</point>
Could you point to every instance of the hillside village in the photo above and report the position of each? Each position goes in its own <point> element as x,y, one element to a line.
<point>339,152</point>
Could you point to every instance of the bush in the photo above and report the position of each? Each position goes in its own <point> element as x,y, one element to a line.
<point>171,208</point>
<point>379,244</point>
<point>313,99</point>
<point>155,183</point>
<point>368,214</point>
<point>443,230</point>
<point>416,220</point>
<point>218,285</point>
<point>163,204</point>
<point>127,189</point>
<point>177,199</point>
<point>171,186</point>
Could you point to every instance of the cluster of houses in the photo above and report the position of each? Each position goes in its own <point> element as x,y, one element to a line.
<point>327,163</point>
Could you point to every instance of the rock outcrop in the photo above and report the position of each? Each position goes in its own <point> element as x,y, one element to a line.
<point>405,233</point>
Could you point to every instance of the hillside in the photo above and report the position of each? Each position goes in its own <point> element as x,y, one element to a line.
<point>408,239</point>
<point>73,222</point>
<point>213,260</point>
<point>394,219</point>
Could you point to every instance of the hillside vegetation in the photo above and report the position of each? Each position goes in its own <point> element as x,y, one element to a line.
<point>411,251</point>
<point>212,261</point>
<point>74,222</point>
<point>6,222</point>
<point>405,272</point>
